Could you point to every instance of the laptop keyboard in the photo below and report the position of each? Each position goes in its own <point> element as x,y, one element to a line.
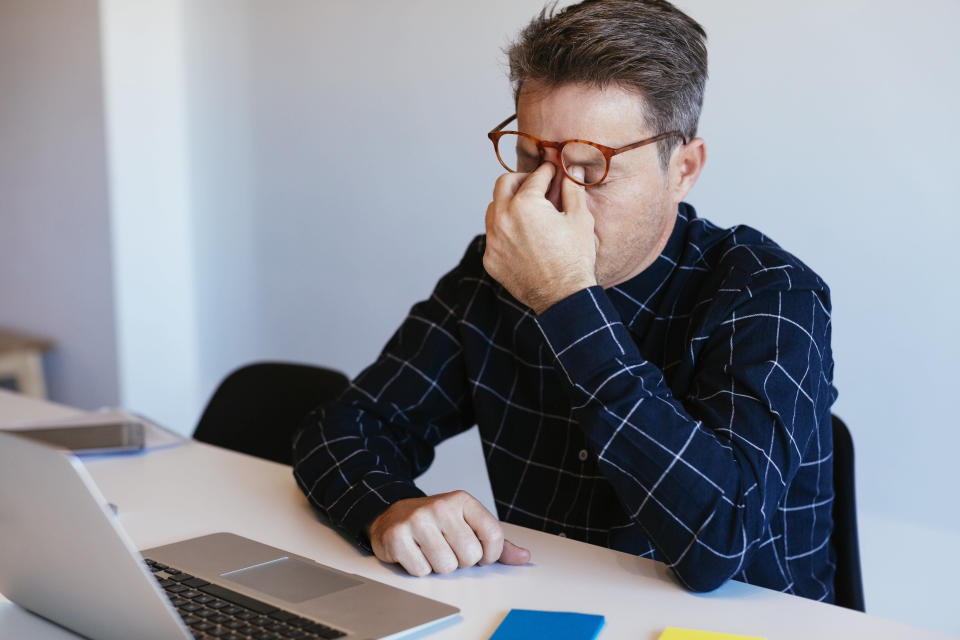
<point>211,611</point>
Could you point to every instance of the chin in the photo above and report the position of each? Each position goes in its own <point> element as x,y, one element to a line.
<point>604,278</point>
<point>608,275</point>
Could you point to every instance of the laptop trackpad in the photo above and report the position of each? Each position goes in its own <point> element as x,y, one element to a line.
<point>290,580</point>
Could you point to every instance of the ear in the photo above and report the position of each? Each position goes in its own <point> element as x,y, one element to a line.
<point>685,167</point>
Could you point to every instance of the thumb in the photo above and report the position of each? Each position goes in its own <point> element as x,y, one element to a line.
<point>512,554</point>
<point>574,195</point>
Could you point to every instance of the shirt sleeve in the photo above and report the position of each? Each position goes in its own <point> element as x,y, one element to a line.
<point>703,474</point>
<point>360,454</point>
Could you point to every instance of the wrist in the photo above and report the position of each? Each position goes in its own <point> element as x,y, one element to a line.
<point>561,292</point>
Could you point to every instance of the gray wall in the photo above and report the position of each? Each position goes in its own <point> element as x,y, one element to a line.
<point>298,173</point>
<point>338,172</point>
<point>55,260</point>
<point>833,127</point>
<point>341,166</point>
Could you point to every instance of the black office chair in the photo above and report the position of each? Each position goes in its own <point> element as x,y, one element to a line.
<point>258,408</point>
<point>848,583</point>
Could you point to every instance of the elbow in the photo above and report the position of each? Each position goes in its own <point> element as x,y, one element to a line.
<point>717,554</point>
<point>705,572</point>
<point>700,581</point>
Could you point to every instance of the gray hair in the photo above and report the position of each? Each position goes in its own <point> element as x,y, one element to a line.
<point>645,46</point>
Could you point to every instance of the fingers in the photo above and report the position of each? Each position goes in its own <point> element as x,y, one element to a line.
<point>463,541</point>
<point>538,182</point>
<point>512,554</point>
<point>486,529</point>
<point>435,547</point>
<point>396,546</point>
<point>507,185</point>
<point>440,534</point>
<point>574,195</point>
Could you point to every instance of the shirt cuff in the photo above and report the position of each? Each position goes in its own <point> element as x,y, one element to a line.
<point>587,337</point>
<point>368,502</point>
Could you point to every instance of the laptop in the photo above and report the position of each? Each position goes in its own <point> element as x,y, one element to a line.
<point>65,557</point>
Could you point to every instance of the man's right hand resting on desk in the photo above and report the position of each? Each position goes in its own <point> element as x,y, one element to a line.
<point>441,533</point>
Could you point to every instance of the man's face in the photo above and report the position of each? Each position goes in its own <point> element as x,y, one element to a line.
<point>633,209</point>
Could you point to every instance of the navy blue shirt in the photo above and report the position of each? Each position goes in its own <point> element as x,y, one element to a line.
<point>683,415</point>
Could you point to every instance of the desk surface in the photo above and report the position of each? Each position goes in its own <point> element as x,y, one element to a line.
<point>259,499</point>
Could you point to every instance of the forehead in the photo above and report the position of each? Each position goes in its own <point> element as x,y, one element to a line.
<point>609,115</point>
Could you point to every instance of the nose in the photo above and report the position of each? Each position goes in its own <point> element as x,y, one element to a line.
<point>554,192</point>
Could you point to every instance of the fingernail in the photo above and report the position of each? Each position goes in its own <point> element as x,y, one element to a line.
<point>576,173</point>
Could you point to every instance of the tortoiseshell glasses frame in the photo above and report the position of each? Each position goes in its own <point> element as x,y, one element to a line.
<point>608,152</point>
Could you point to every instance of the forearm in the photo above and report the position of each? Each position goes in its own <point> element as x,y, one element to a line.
<point>357,456</point>
<point>348,475</point>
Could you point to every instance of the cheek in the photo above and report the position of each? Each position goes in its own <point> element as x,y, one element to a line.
<point>600,203</point>
<point>609,214</point>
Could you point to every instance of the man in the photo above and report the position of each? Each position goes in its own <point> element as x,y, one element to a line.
<point>641,378</point>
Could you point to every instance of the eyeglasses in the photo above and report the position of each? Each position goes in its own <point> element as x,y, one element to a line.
<point>522,152</point>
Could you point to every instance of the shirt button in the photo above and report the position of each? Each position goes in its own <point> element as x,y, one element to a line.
<point>562,534</point>
<point>584,454</point>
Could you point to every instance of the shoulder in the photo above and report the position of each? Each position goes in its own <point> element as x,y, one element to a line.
<point>468,278</point>
<point>473,256</point>
<point>746,261</point>
<point>470,265</point>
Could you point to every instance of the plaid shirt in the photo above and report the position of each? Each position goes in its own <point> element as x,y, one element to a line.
<point>683,415</point>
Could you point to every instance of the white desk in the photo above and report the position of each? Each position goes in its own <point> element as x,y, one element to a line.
<point>259,499</point>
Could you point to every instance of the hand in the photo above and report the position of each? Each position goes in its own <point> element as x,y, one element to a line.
<point>440,533</point>
<point>540,255</point>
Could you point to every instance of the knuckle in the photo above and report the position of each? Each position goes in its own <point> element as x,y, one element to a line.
<point>444,498</point>
<point>492,533</point>
<point>472,554</point>
<point>440,503</point>
<point>391,538</point>
<point>421,514</point>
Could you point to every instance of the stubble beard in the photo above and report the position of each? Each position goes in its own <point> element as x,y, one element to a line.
<point>620,258</point>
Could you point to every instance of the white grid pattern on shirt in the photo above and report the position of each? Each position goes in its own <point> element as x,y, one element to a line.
<point>692,447</point>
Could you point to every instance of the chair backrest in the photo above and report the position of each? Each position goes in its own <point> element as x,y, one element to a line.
<point>258,408</point>
<point>848,583</point>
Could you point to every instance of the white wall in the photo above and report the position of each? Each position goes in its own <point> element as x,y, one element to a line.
<point>55,261</point>
<point>146,119</point>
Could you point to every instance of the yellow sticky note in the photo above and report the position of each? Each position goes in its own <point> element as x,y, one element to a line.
<point>672,633</point>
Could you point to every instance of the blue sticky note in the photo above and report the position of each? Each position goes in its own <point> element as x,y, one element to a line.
<point>525,624</point>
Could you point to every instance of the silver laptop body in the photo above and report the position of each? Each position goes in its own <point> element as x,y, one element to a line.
<point>65,557</point>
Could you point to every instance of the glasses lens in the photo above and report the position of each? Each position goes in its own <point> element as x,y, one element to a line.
<point>586,157</point>
<point>518,153</point>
